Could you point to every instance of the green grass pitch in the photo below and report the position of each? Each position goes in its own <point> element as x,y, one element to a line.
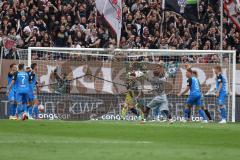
<point>113,140</point>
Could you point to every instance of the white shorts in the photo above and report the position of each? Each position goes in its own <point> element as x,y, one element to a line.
<point>159,101</point>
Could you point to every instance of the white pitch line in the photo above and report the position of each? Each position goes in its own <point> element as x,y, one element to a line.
<point>72,142</point>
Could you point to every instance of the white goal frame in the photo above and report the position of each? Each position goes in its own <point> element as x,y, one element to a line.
<point>160,52</point>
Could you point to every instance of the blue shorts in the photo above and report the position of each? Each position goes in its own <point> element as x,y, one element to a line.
<point>11,96</point>
<point>194,100</point>
<point>32,96</point>
<point>221,99</point>
<point>22,97</point>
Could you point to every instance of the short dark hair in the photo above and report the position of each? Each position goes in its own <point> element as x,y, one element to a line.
<point>194,72</point>
<point>33,65</point>
<point>190,70</point>
<point>13,64</point>
<point>21,66</point>
<point>218,67</point>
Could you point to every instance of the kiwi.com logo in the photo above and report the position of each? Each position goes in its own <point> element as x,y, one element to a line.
<point>76,107</point>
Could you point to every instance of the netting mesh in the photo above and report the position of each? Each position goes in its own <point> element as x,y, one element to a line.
<point>89,84</point>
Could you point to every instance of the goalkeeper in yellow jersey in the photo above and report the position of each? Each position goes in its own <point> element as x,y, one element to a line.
<point>133,98</point>
<point>130,97</point>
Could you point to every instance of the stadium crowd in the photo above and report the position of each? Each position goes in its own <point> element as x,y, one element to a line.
<point>72,23</point>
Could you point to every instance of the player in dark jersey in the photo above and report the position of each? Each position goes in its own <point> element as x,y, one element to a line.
<point>221,94</point>
<point>34,89</point>
<point>194,98</point>
<point>21,80</point>
<point>12,92</point>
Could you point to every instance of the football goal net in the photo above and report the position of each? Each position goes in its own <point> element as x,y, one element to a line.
<point>86,83</point>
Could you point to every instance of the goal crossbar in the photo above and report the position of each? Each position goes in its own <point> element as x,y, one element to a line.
<point>143,53</point>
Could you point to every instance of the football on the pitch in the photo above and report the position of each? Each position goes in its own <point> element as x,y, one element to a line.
<point>139,73</point>
<point>41,108</point>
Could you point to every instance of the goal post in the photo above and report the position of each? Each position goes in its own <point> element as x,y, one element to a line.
<point>234,55</point>
<point>99,76</point>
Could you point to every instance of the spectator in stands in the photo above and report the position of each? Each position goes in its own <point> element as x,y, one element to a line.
<point>12,54</point>
<point>61,36</point>
<point>70,23</point>
<point>46,41</point>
